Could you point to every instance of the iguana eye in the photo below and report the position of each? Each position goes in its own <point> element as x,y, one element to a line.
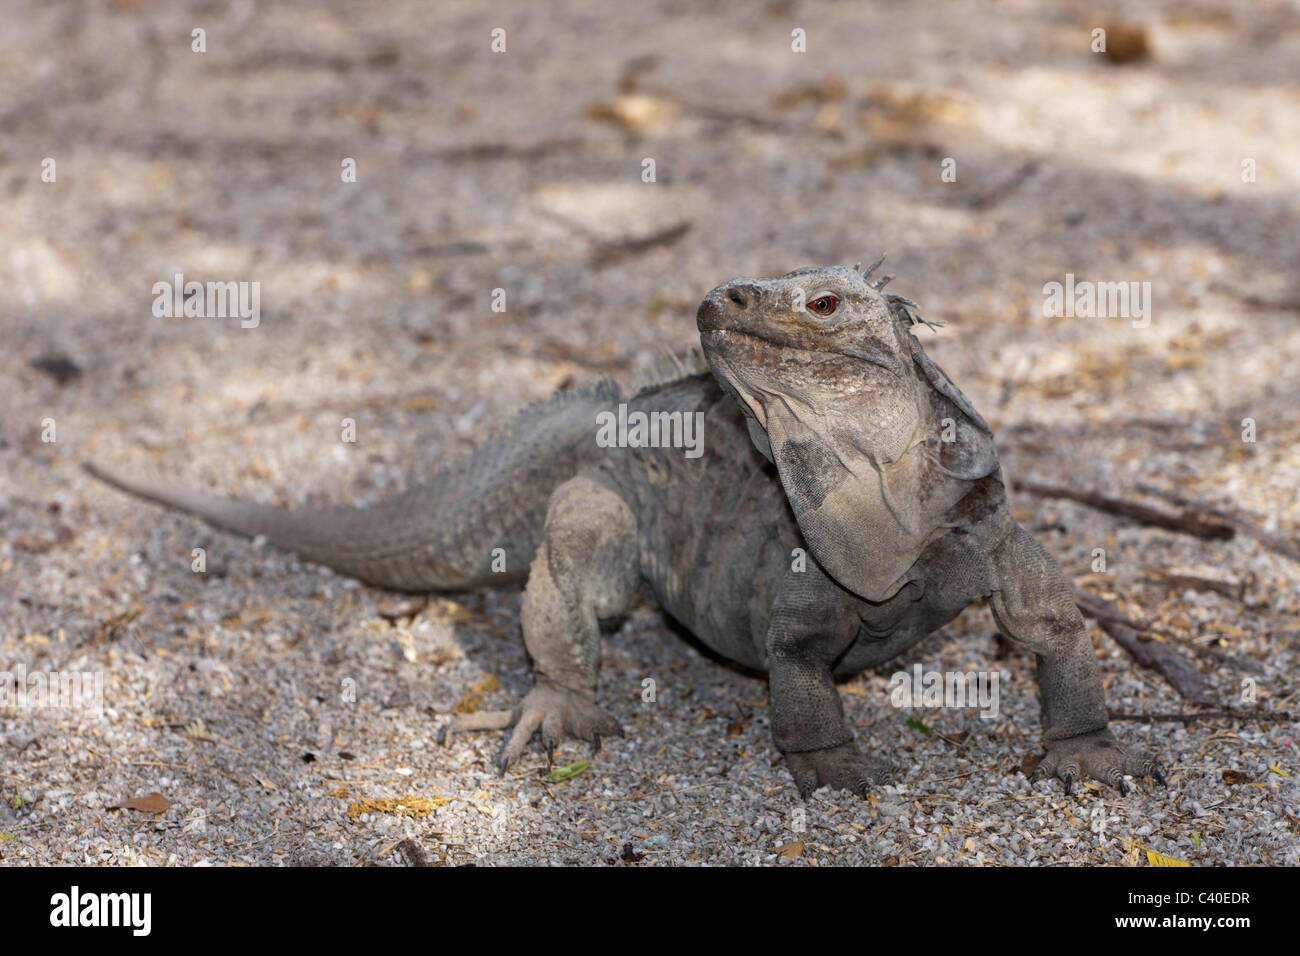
<point>823,305</point>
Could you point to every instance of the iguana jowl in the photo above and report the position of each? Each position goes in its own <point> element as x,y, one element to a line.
<point>826,428</point>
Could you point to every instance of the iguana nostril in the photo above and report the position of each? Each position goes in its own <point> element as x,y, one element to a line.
<point>735,296</point>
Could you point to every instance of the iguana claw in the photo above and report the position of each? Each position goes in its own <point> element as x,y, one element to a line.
<point>841,768</point>
<point>553,712</point>
<point>1097,756</point>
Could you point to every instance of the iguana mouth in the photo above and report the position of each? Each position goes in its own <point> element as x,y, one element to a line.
<point>721,341</point>
<point>750,348</point>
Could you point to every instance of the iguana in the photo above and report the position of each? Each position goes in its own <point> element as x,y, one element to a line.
<point>828,434</point>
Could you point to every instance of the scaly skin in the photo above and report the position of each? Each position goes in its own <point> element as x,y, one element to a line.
<point>821,433</point>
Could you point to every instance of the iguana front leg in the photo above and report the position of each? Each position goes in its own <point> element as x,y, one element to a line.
<point>1034,605</point>
<point>813,623</point>
<point>584,571</point>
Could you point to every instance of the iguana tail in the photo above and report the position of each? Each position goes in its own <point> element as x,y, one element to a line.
<point>478,522</point>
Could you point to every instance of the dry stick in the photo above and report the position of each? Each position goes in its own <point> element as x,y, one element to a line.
<point>1281,715</point>
<point>1195,521</point>
<point>1195,582</point>
<point>1167,661</point>
<point>1274,542</point>
<point>1191,581</point>
<point>613,250</point>
<point>1006,187</point>
<point>607,251</point>
<point>1240,663</point>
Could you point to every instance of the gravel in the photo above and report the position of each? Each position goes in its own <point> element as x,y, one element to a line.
<point>288,716</point>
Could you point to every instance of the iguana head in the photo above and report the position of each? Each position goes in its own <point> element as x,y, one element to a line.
<point>872,441</point>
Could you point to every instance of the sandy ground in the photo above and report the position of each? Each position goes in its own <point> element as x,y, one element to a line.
<point>522,171</point>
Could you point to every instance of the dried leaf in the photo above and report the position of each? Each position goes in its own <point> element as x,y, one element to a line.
<point>1154,858</point>
<point>474,699</point>
<point>153,803</point>
<point>1159,859</point>
<point>1235,776</point>
<point>791,850</point>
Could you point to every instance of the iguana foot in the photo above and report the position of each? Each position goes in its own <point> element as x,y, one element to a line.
<point>1098,756</point>
<point>552,712</point>
<point>841,768</point>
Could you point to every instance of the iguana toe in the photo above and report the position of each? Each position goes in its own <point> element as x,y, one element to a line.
<point>840,768</point>
<point>554,713</point>
<point>1097,756</point>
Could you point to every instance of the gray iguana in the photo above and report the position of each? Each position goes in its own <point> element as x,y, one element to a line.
<point>827,429</point>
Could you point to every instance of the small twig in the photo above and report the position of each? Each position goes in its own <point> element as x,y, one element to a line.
<point>1194,521</point>
<point>1240,663</point>
<point>1207,715</point>
<point>1238,522</point>
<point>1255,301</point>
<point>711,111</point>
<point>613,250</point>
<point>489,150</point>
<point>1235,590</point>
<point>1003,189</point>
<point>1162,658</point>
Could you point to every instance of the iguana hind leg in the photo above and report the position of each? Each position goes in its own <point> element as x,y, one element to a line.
<point>1034,605</point>
<point>584,571</point>
<point>813,624</point>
